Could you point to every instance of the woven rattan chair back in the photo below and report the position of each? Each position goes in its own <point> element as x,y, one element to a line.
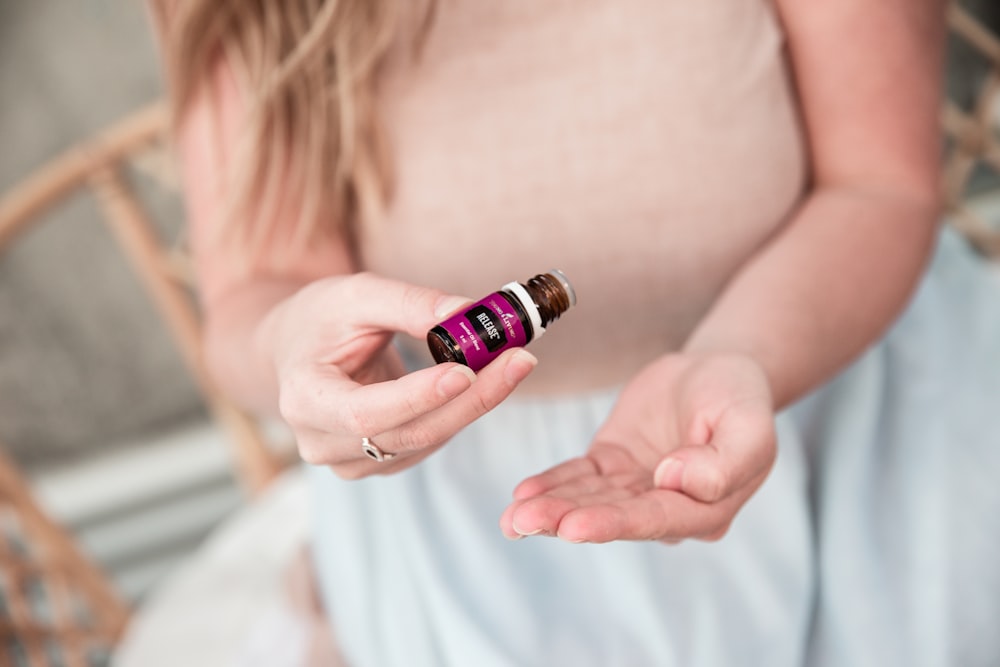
<point>973,134</point>
<point>56,608</point>
<point>99,167</point>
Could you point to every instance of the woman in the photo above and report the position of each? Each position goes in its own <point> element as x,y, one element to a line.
<point>744,194</point>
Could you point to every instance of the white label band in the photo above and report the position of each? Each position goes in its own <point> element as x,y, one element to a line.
<point>529,305</point>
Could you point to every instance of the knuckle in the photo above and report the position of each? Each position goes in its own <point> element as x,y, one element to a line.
<point>310,456</point>
<point>311,451</point>
<point>351,419</point>
<point>714,484</point>
<point>291,405</point>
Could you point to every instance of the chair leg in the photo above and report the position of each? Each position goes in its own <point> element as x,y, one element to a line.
<point>257,464</point>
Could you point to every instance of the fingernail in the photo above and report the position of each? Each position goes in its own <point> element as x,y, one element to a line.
<point>447,305</point>
<point>519,365</point>
<point>669,473</point>
<point>578,540</point>
<point>455,381</point>
<point>513,538</point>
<point>524,534</point>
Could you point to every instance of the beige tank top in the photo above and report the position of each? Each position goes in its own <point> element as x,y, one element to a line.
<point>645,147</point>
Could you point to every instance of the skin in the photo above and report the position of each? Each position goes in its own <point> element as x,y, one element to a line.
<point>692,435</point>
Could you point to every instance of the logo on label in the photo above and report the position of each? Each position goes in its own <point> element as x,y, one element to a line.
<point>481,318</point>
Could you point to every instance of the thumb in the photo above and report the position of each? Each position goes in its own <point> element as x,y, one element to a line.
<point>398,306</point>
<point>741,447</point>
<point>698,471</point>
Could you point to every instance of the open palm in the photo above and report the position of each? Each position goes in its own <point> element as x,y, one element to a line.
<point>689,441</point>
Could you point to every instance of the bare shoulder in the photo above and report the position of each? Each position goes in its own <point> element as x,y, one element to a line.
<point>207,140</point>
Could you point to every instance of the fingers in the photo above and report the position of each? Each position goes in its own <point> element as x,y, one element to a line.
<point>377,408</point>
<point>493,384</point>
<point>604,515</point>
<point>608,474</point>
<point>544,515</point>
<point>330,391</point>
<point>657,515</point>
<point>559,475</point>
<point>694,493</point>
<point>539,518</point>
<point>337,404</point>
<point>664,472</point>
<point>617,513</point>
<point>741,447</point>
<point>601,460</point>
<point>418,411</point>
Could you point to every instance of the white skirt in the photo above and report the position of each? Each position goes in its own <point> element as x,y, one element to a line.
<point>875,540</point>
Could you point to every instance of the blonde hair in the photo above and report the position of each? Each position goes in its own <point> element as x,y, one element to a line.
<point>309,68</point>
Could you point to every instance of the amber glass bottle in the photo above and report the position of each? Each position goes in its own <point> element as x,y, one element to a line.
<point>511,317</point>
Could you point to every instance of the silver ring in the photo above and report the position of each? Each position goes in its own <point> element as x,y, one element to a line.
<point>373,452</point>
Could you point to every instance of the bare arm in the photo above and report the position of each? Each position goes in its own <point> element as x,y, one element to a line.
<point>235,297</point>
<point>692,436</point>
<point>868,75</point>
<point>310,339</point>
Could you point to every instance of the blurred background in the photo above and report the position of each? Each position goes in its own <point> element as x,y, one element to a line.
<point>95,405</point>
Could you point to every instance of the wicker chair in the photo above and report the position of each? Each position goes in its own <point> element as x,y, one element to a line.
<point>56,608</point>
<point>98,166</point>
<point>973,135</point>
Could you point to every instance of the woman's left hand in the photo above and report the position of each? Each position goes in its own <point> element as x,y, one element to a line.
<point>689,441</point>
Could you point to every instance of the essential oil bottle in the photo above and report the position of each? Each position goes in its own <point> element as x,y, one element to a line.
<point>511,317</point>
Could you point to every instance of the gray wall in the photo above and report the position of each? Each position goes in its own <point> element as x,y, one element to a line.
<point>83,360</point>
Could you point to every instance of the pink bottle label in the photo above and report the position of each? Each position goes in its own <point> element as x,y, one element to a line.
<point>485,329</point>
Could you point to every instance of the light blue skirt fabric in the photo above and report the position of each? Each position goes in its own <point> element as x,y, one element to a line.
<point>875,540</point>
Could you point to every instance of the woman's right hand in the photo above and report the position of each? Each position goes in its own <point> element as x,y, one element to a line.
<point>325,350</point>
<point>340,379</point>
